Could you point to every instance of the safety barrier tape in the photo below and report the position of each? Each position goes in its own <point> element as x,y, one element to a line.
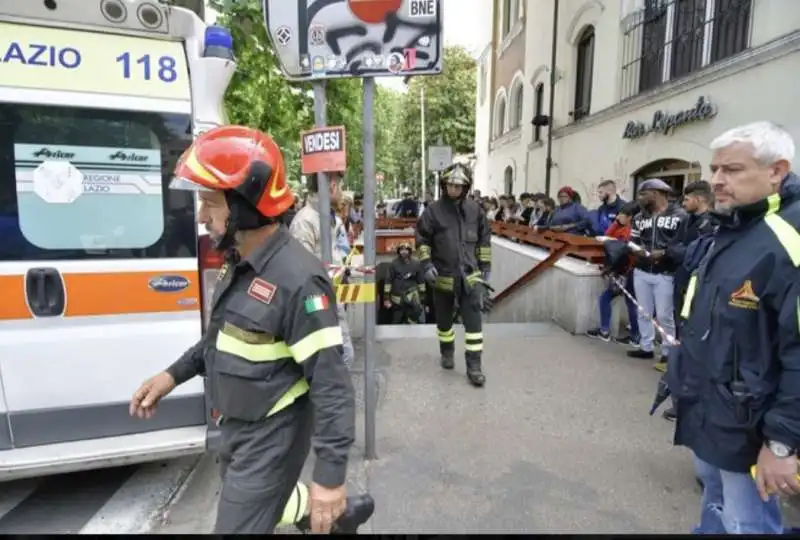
<point>669,338</point>
<point>355,293</point>
<point>335,268</point>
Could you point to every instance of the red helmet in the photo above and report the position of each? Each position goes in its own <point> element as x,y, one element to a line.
<point>237,159</point>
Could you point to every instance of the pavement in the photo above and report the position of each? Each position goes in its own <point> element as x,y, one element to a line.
<point>558,441</point>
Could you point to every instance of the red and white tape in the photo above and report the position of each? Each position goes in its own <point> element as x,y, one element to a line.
<point>669,338</point>
<point>360,269</point>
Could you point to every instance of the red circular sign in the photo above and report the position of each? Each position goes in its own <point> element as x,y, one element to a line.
<point>373,11</point>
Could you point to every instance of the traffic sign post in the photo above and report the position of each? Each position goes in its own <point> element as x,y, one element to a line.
<point>320,40</point>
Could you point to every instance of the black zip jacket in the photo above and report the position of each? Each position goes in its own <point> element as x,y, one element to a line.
<point>694,226</point>
<point>736,375</point>
<point>404,276</point>
<point>657,232</point>
<point>455,236</point>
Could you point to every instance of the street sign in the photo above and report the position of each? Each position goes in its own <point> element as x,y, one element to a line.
<point>323,150</point>
<point>326,39</point>
<point>439,157</point>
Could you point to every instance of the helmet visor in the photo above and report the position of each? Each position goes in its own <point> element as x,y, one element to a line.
<point>184,184</point>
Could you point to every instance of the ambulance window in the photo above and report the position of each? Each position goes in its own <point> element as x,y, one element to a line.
<point>83,183</point>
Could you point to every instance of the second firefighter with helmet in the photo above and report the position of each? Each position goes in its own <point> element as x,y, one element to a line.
<point>404,289</point>
<point>454,245</point>
<point>273,342</point>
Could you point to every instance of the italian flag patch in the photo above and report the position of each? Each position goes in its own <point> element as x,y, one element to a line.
<point>316,302</point>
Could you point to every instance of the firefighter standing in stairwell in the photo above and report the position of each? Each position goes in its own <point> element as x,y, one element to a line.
<point>454,246</point>
<point>273,343</point>
<point>404,289</point>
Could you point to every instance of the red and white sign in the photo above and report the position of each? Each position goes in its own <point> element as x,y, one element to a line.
<point>323,150</point>
<point>261,290</point>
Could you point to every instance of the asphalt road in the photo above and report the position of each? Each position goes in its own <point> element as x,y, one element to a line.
<point>116,500</point>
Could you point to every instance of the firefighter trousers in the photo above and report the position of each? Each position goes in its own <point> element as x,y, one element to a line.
<point>260,465</point>
<point>445,303</point>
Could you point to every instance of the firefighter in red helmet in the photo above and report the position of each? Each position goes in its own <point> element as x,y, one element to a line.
<point>273,343</point>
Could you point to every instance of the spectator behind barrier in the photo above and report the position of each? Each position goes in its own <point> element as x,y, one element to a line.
<point>570,216</point>
<point>610,206</point>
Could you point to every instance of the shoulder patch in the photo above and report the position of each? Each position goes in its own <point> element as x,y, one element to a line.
<point>261,290</point>
<point>315,302</point>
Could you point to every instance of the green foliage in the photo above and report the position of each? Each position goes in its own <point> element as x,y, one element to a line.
<point>259,96</point>
<point>449,112</point>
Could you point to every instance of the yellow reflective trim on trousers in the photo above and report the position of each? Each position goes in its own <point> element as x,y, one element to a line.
<point>473,335</point>
<point>443,283</point>
<point>297,505</point>
<point>295,391</point>
<point>686,309</point>
<point>263,352</point>
<point>473,347</point>
<point>446,336</point>
<point>315,342</point>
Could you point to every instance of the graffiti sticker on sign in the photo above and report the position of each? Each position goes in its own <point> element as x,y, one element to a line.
<point>323,150</point>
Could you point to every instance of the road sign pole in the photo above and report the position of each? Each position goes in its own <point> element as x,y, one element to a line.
<point>323,190</point>
<point>370,388</point>
<point>423,145</point>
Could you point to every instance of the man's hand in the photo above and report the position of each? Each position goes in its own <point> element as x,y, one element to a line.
<point>325,506</point>
<point>146,398</point>
<point>776,475</point>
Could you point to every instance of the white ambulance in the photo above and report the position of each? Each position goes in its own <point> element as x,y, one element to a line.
<point>100,281</point>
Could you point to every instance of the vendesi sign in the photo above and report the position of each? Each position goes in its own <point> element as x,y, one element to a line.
<point>323,150</point>
<point>665,123</point>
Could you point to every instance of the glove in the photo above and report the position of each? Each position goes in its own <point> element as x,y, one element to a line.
<point>430,273</point>
<point>481,296</point>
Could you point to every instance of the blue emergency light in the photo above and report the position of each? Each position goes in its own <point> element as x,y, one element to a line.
<point>218,43</point>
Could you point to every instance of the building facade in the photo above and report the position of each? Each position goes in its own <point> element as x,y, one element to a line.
<point>641,88</point>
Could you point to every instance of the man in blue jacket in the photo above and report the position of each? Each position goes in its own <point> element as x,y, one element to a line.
<point>735,377</point>
<point>610,205</point>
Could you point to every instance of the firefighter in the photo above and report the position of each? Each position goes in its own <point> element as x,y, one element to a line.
<point>404,287</point>
<point>273,343</point>
<point>454,247</point>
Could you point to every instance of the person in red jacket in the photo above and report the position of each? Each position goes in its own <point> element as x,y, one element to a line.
<point>620,229</point>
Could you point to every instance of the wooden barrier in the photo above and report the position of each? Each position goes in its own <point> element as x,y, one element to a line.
<point>557,243</point>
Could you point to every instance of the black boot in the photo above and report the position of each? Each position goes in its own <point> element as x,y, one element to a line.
<point>359,510</point>
<point>474,373</point>
<point>446,360</point>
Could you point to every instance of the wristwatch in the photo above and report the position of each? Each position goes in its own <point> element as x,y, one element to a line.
<point>780,450</point>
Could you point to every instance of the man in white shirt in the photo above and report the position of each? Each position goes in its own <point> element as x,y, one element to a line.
<point>305,228</point>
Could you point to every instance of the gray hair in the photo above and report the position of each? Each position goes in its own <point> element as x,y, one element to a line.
<point>770,142</point>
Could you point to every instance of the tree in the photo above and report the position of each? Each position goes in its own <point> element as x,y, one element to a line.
<point>259,96</point>
<point>449,112</point>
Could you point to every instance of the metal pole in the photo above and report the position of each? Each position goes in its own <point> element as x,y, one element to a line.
<point>323,190</point>
<point>368,147</point>
<point>548,167</point>
<point>423,170</point>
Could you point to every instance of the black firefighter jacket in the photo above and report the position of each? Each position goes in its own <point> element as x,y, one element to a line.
<point>273,336</point>
<point>405,276</point>
<point>455,236</point>
<point>736,374</point>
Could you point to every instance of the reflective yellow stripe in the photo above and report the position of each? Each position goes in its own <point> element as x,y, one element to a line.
<point>473,335</point>
<point>264,352</point>
<point>786,233</point>
<point>473,278</point>
<point>686,309</point>
<point>485,254</point>
<point>387,288</point>
<point>315,342</point>
<point>396,299</point>
<point>423,252</point>
<point>447,336</point>
<point>443,283</point>
<point>473,347</point>
<point>295,391</point>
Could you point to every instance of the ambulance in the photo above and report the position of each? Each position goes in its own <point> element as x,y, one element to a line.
<point>100,272</point>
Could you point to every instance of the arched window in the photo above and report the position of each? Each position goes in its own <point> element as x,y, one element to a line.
<point>500,116</point>
<point>583,74</point>
<point>538,106</point>
<point>516,106</point>
<point>508,180</point>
